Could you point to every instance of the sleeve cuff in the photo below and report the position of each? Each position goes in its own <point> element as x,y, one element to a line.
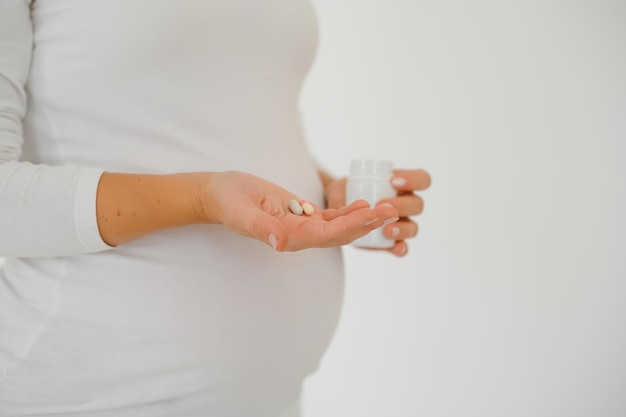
<point>85,211</point>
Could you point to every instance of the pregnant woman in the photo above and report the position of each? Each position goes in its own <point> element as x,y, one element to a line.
<point>148,153</point>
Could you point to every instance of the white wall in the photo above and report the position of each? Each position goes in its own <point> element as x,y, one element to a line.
<point>512,300</point>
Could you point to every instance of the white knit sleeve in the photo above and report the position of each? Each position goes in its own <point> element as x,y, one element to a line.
<point>44,210</point>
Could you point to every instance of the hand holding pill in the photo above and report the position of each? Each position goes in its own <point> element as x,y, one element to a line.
<point>254,207</point>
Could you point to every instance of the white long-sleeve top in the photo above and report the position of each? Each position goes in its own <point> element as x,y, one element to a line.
<point>191,321</point>
<point>44,211</point>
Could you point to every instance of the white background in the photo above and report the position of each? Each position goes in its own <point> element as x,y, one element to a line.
<point>512,300</point>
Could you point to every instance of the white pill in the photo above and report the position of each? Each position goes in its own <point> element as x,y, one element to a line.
<point>295,207</point>
<point>308,208</point>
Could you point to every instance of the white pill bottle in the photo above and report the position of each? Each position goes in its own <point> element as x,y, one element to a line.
<point>370,179</point>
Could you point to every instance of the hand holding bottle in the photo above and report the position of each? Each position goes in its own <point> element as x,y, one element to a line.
<point>406,201</point>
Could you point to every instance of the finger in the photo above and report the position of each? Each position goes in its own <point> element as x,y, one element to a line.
<point>387,213</point>
<point>292,233</point>
<point>401,230</point>
<point>407,204</point>
<point>308,233</point>
<point>298,232</point>
<point>267,229</point>
<point>410,180</point>
<point>399,249</point>
<point>343,229</point>
<point>330,214</point>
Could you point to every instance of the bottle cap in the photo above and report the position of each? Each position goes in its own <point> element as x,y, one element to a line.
<point>371,168</point>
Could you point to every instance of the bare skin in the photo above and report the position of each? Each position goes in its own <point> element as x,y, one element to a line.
<point>408,204</point>
<point>132,205</point>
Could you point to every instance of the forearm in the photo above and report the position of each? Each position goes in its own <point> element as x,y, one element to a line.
<point>129,206</point>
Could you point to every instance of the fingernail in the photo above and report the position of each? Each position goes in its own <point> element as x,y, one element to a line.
<point>371,222</point>
<point>404,250</point>
<point>387,204</point>
<point>395,232</point>
<point>398,181</point>
<point>272,239</point>
<point>391,220</point>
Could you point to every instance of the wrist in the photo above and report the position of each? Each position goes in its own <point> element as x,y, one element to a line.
<point>202,199</point>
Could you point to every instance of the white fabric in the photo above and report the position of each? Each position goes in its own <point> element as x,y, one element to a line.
<point>186,322</point>
<point>39,205</point>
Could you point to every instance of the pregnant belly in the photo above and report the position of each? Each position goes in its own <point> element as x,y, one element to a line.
<point>194,314</point>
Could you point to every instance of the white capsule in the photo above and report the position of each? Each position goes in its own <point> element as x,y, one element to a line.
<point>308,208</point>
<point>295,207</point>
